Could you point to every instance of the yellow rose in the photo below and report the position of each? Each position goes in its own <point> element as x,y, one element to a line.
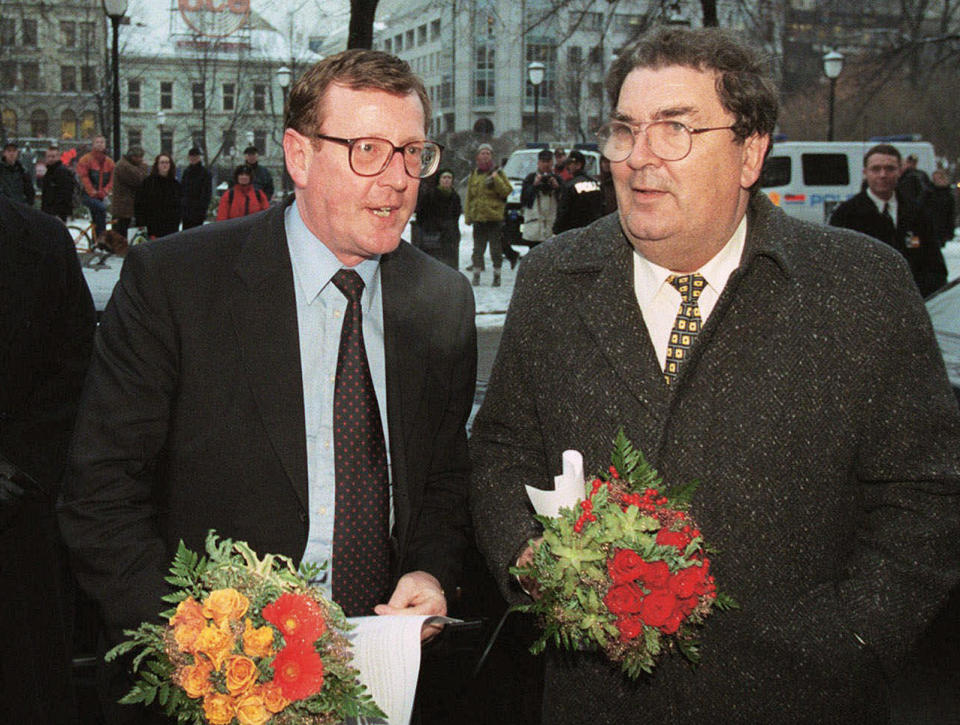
<point>218,708</point>
<point>241,674</point>
<point>225,604</point>
<point>252,711</point>
<point>187,623</point>
<point>257,642</point>
<point>272,697</point>
<point>215,643</point>
<point>195,678</point>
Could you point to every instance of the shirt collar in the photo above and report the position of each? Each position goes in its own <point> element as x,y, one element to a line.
<point>892,201</point>
<point>651,277</point>
<point>313,261</point>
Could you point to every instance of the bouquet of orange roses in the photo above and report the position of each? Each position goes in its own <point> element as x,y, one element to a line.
<point>623,568</point>
<point>249,642</point>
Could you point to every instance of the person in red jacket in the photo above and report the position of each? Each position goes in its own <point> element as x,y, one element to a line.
<point>242,198</point>
<point>95,171</point>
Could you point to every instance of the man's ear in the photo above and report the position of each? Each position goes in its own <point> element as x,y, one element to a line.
<point>754,152</point>
<point>297,152</point>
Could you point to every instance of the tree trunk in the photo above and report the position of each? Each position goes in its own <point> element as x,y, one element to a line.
<point>361,23</point>
<point>710,19</point>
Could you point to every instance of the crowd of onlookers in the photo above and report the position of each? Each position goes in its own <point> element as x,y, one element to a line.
<point>158,197</point>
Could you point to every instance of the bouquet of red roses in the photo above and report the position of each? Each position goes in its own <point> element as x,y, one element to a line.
<point>625,571</point>
<point>250,642</point>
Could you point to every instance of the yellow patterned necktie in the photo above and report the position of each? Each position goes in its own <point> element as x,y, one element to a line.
<point>687,325</point>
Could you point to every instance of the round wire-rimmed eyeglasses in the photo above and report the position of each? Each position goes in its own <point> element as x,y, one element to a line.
<point>369,156</point>
<point>667,140</point>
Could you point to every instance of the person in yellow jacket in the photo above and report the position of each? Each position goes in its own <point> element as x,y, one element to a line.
<point>487,192</point>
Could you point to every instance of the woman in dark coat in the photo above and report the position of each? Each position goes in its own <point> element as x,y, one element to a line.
<point>438,215</point>
<point>159,199</point>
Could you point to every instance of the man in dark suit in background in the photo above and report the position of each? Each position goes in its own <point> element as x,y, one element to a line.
<point>215,396</point>
<point>813,407</point>
<point>46,334</point>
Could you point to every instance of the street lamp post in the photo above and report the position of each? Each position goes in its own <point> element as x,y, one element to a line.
<point>832,65</point>
<point>283,80</point>
<point>161,120</point>
<point>535,73</point>
<point>115,10</point>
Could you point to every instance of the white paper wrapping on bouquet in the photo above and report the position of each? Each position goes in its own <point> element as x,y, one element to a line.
<point>568,488</point>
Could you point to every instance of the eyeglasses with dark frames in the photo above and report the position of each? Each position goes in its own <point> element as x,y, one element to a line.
<point>369,155</point>
<point>667,140</point>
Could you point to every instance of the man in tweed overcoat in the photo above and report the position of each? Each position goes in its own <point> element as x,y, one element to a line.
<point>813,409</point>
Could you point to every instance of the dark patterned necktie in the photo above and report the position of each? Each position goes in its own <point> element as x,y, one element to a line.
<point>687,325</point>
<point>361,549</point>
<point>886,212</point>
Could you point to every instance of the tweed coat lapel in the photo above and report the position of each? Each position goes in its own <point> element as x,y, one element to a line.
<point>602,294</point>
<point>264,312</point>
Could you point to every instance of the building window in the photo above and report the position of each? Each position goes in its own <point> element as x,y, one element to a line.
<point>229,142</point>
<point>29,33</point>
<point>197,139</point>
<point>134,137</point>
<point>626,23</point>
<point>166,94</point>
<point>68,124</point>
<point>10,121</point>
<point>397,43</point>
<point>133,94</point>
<point>260,141</point>
<point>544,51</point>
<point>435,30</point>
<point>88,78</point>
<point>259,97</point>
<point>8,74</point>
<point>87,37</point>
<point>8,31</point>
<point>596,56</point>
<point>166,141</point>
<point>199,96</point>
<point>422,34</point>
<point>586,21</point>
<point>68,34</point>
<point>388,45</point>
<point>596,91</point>
<point>88,124</point>
<point>483,76</point>
<point>574,56</point>
<point>39,124</point>
<point>31,76</point>
<point>228,96</point>
<point>68,79</point>
<point>408,42</point>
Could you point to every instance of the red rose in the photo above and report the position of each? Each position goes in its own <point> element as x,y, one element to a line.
<point>630,627</point>
<point>687,582</point>
<point>687,605</point>
<point>625,566</point>
<point>673,538</point>
<point>654,575</point>
<point>658,607</point>
<point>624,599</point>
<point>298,671</point>
<point>673,623</point>
<point>297,616</point>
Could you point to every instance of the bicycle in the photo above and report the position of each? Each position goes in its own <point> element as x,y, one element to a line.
<point>84,237</point>
<point>98,255</point>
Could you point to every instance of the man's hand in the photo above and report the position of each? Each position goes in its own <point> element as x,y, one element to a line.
<point>528,585</point>
<point>417,593</point>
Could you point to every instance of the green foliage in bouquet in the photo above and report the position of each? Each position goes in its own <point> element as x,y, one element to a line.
<point>249,642</point>
<point>626,571</point>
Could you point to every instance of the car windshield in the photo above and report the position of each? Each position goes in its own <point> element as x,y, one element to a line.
<point>521,163</point>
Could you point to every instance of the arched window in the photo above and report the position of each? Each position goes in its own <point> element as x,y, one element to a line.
<point>88,124</point>
<point>68,124</point>
<point>10,121</point>
<point>39,124</point>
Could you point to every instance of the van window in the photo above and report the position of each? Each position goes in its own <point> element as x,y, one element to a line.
<point>776,171</point>
<point>825,169</point>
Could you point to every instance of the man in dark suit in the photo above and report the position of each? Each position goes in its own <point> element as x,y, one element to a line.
<point>46,334</point>
<point>215,391</point>
<point>813,407</point>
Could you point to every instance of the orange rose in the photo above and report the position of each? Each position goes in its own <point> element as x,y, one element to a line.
<point>218,708</point>
<point>273,697</point>
<point>187,623</point>
<point>225,604</point>
<point>257,642</point>
<point>215,643</point>
<point>195,678</point>
<point>241,674</point>
<point>252,711</point>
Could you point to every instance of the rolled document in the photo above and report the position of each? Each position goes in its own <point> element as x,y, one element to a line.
<point>568,488</point>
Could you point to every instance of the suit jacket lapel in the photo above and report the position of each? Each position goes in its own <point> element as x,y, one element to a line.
<point>264,314</point>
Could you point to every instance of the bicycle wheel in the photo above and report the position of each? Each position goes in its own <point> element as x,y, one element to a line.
<point>82,237</point>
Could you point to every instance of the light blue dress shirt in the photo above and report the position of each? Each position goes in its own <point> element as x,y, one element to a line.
<point>320,311</point>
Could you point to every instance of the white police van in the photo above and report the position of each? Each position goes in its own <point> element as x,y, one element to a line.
<point>808,179</point>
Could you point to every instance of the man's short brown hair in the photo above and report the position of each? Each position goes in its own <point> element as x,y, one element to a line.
<point>744,86</point>
<point>881,148</point>
<point>358,70</point>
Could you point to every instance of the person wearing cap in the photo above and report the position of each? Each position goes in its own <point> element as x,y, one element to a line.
<point>128,175</point>
<point>262,179</point>
<point>913,182</point>
<point>538,197</point>
<point>197,187</point>
<point>487,192</point>
<point>15,183</point>
<point>581,200</point>
<point>438,215</point>
<point>243,198</point>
